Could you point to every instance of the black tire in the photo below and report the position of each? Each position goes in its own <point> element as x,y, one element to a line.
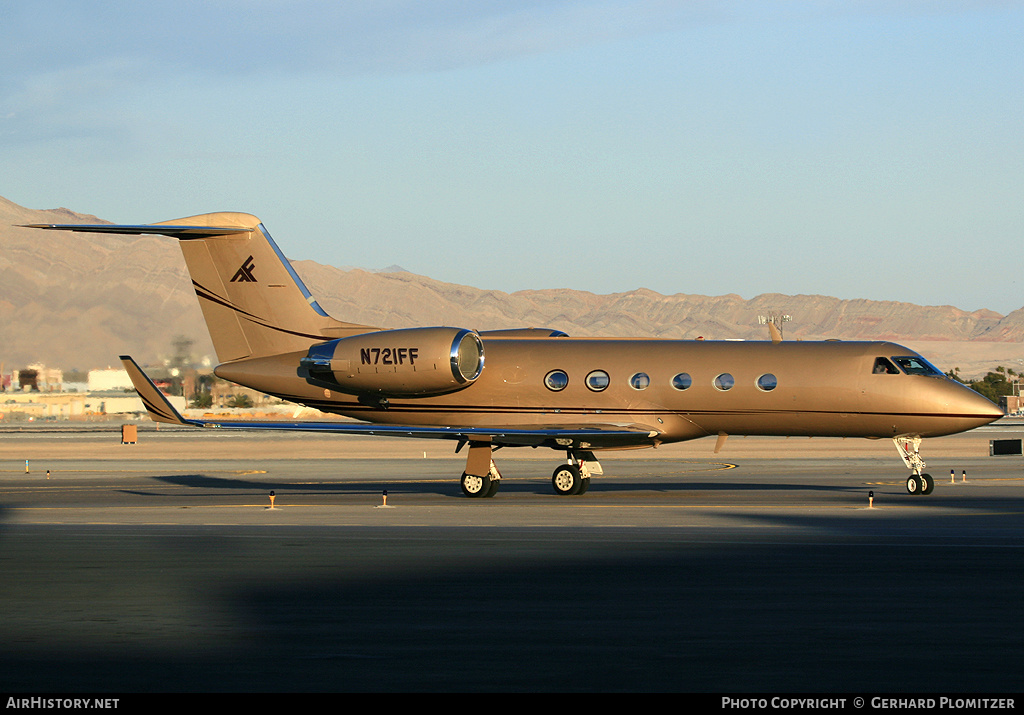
<point>927,484</point>
<point>913,484</point>
<point>475,487</point>
<point>495,483</point>
<point>566,480</point>
<point>584,486</point>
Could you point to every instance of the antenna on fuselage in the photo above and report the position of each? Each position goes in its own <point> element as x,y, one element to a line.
<point>774,323</point>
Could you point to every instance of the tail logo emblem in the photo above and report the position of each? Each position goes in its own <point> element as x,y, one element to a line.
<point>244,273</point>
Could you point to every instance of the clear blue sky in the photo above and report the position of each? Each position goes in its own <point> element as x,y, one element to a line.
<point>859,149</point>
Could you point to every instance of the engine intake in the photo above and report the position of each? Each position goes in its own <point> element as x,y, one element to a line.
<point>414,362</point>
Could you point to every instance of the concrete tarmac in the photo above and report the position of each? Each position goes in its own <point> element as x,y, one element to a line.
<point>158,567</point>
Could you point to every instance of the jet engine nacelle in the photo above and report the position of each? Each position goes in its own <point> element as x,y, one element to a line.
<point>414,362</point>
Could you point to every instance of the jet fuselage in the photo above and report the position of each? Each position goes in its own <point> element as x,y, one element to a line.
<point>679,389</point>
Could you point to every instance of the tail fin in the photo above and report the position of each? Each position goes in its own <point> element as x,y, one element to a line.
<point>253,301</point>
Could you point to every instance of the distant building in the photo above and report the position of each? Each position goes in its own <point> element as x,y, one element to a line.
<point>74,405</point>
<point>23,381</point>
<point>222,392</point>
<point>34,378</point>
<point>1011,404</point>
<point>48,379</point>
<point>109,379</point>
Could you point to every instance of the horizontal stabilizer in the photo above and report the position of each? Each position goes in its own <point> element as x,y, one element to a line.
<point>254,302</point>
<point>182,232</point>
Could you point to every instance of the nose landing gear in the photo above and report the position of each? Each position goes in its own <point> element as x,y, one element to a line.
<point>920,484</point>
<point>909,447</point>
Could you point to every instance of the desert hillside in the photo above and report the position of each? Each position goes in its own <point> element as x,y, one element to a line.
<point>80,300</point>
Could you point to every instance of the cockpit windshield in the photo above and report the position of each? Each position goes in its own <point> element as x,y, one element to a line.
<point>917,365</point>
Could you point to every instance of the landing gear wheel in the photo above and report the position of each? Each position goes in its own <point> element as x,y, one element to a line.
<point>913,484</point>
<point>566,479</point>
<point>584,485</point>
<point>473,486</point>
<point>927,484</point>
<point>495,483</point>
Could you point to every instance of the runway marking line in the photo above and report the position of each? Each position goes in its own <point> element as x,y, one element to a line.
<point>736,507</point>
<point>958,482</point>
<point>56,472</point>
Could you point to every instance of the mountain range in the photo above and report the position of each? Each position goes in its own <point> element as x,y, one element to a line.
<point>77,301</point>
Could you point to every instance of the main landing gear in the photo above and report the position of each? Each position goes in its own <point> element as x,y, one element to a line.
<point>574,478</point>
<point>482,478</point>
<point>487,486</point>
<point>909,448</point>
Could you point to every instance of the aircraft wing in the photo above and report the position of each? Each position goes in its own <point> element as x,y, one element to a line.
<point>583,437</point>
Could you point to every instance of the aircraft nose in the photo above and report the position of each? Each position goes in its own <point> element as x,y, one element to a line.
<point>956,408</point>
<point>993,411</point>
<point>970,405</point>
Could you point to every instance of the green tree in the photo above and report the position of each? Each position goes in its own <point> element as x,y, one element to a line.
<point>995,384</point>
<point>239,400</point>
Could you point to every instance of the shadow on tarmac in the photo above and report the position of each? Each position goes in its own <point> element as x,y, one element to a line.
<point>484,609</point>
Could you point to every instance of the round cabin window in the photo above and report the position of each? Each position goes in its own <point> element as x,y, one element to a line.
<point>682,381</point>
<point>640,381</point>
<point>556,380</point>
<point>598,380</point>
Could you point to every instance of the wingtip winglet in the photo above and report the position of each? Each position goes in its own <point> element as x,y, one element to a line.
<point>157,405</point>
